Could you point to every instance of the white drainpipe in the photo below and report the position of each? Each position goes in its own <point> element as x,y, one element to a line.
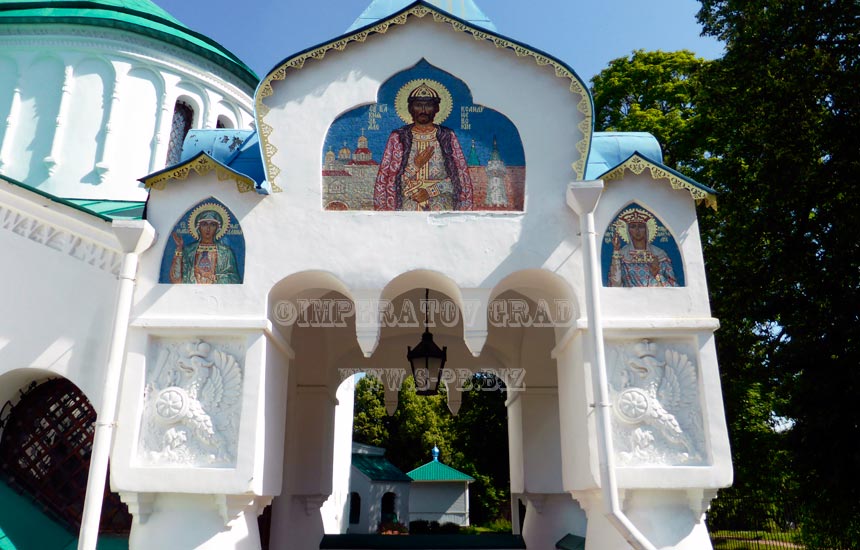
<point>582,197</point>
<point>134,237</point>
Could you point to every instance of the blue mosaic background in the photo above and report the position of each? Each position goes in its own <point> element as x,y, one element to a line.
<point>234,238</point>
<point>664,240</point>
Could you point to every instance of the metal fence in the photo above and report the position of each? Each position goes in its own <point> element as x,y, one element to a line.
<point>753,524</point>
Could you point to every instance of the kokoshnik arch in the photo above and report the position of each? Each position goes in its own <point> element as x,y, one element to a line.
<point>395,158</point>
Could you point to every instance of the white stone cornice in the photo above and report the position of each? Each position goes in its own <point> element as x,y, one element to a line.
<point>140,505</point>
<point>208,323</point>
<point>646,327</point>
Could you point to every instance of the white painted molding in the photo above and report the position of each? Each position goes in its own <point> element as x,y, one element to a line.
<point>628,326</point>
<point>139,504</point>
<point>208,323</point>
<point>230,506</point>
<point>700,500</point>
<point>311,503</point>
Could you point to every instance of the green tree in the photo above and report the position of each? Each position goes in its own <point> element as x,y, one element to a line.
<point>370,417</point>
<point>663,93</point>
<point>653,92</point>
<point>474,442</point>
<point>481,427</point>
<point>781,108</point>
<point>419,423</point>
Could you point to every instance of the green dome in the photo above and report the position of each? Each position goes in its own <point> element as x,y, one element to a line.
<point>138,16</point>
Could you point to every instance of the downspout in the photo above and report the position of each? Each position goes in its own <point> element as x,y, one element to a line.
<point>134,237</point>
<point>582,197</point>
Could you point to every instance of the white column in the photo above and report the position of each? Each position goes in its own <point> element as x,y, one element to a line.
<point>173,521</point>
<point>103,162</point>
<point>536,468</point>
<point>161,134</point>
<point>296,522</point>
<point>53,157</point>
<point>9,129</point>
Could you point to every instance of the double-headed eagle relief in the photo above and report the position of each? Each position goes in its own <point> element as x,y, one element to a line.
<point>655,398</point>
<point>191,405</point>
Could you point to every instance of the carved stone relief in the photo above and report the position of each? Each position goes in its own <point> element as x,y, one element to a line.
<point>655,399</point>
<point>60,239</point>
<point>192,403</point>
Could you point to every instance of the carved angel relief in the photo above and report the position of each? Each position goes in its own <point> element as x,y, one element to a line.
<point>656,404</point>
<point>192,404</point>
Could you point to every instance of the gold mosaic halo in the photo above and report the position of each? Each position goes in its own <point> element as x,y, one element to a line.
<point>192,219</point>
<point>401,100</point>
<point>621,226</point>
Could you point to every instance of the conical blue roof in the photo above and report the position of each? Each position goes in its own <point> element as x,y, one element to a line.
<point>466,10</point>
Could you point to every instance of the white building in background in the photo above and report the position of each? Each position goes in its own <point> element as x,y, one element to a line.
<point>379,491</point>
<point>210,329</point>
<point>439,493</point>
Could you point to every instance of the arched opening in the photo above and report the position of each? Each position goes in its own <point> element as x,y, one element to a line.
<point>354,508</point>
<point>183,118</point>
<point>388,508</point>
<point>223,122</point>
<point>45,453</point>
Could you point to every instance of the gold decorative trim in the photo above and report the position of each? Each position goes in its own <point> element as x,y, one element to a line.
<point>202,164</point>
<point>265,90</point>
<point>637,165</point>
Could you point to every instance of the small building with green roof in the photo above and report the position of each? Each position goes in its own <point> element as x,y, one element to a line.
<point>439,493</point>
<point>378,491</point>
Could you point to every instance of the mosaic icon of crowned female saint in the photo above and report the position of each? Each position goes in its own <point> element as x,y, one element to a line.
<point>205,261</point>
<point>423,167</point>
<point>638,263</point>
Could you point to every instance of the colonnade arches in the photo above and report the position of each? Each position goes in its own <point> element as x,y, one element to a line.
<point>321,319</point>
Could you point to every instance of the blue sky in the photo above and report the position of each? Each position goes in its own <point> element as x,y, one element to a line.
<point>585,34</point>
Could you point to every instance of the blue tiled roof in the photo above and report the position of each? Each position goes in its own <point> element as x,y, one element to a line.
<point>609,149</point>
<point>238,150</point>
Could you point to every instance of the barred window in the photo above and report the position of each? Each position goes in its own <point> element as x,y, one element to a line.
<point>45,453</point>
<point>183,116</point>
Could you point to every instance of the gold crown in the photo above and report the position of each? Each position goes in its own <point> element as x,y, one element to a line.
<point>424,92</point>
<point>635,216</point>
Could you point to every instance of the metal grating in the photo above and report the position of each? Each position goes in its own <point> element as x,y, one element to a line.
<point>45,453</point>
<point>183,116</point>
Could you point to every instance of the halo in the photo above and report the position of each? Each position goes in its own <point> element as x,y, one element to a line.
<point>621,225</point>
<point>401,100</point>
<point>220,210</point>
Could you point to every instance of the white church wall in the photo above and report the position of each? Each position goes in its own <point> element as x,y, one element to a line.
<point>676,210</point>
<point>439,501</point>
<point>305,104</point>
<point>60,293</point>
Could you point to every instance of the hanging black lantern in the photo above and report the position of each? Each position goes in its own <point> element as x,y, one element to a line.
<point>426,359</point>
